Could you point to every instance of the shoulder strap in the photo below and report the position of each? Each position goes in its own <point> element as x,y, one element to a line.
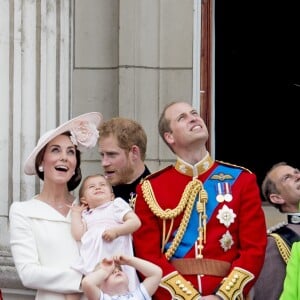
<point>284,238</point>
<point>289,235</point>
<point>283,248</point>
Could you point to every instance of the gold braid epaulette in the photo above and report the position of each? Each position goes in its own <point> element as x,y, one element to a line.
<point>233,165</point>
<point>283,248</point>
<point>186,202</point>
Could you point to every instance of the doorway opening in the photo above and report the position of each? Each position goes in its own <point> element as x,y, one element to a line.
<point>257,87</point>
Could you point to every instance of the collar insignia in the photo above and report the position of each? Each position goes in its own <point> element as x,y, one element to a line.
<point>194,170</point>
<point>294,218</point>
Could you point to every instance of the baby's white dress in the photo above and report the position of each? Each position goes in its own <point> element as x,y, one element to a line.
<point>94,248</point>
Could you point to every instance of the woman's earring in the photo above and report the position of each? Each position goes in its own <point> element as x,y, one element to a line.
<point>41,169</point>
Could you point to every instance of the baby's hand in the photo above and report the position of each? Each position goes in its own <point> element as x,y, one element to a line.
<point>109,235</point>
<point>121,259</point>
<point>76,208</point>
<point>107,264</point>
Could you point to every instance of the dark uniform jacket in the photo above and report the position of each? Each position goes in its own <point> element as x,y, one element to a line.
<point>280,238</point>
<point>128,191</point>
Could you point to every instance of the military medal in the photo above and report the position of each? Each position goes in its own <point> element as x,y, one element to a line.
<point>226,215</point>
<point>220,196</point>
<point>228,195</point>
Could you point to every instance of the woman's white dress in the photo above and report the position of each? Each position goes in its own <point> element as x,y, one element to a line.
<point>43,249</point>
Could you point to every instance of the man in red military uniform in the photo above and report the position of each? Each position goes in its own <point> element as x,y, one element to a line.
<point>202,220</point>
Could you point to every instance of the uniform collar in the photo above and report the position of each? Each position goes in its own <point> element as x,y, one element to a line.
<point>293,218</point>
<point>194,170</point>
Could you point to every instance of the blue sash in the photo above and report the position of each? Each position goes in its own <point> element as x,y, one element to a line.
<point>191,233</point>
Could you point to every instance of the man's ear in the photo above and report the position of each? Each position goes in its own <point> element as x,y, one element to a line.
<point>135,150</point>
<point>168,137</point>
<point>276,199</point>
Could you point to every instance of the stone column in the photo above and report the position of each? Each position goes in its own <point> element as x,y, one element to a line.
<point>35,84</point>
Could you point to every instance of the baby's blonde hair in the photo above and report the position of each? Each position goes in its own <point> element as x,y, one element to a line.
<point>82,187</point>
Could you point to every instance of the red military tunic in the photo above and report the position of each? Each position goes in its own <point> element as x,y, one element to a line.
<point>235,231</point>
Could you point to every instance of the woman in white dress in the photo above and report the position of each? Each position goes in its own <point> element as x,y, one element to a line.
<point>42,244</point>
<point>104,225</point>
